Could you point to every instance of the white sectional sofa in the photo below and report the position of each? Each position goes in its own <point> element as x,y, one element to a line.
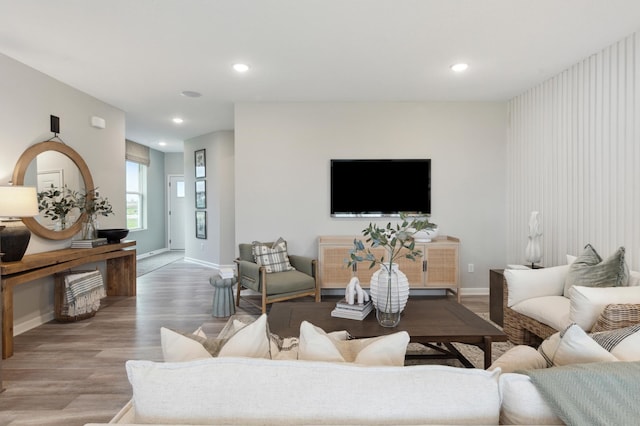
<point>251,391</point>
<point>538,303</point>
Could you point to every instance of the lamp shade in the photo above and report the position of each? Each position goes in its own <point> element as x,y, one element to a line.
<point>18,201</point>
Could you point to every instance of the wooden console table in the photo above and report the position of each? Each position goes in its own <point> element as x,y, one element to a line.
<point>120,279</point>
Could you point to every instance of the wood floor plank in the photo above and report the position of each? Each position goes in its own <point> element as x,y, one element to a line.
<point>73,373</point>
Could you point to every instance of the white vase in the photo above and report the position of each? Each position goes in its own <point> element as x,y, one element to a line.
<point>426,235</point>
<point>389,294</point>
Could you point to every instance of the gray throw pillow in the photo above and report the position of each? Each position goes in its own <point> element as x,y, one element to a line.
<point>590,270</point>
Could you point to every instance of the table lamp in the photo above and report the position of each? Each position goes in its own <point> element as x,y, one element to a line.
<point>16,202</point>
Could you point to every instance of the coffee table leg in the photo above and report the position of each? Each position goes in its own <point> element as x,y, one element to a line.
<point>487,352</point>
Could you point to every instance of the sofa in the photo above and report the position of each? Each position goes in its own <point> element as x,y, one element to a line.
<point>249,376</point>
<point>250,391</point>
<point>540,302</point>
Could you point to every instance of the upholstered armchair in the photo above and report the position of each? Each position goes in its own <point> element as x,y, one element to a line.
<point>280,285</point>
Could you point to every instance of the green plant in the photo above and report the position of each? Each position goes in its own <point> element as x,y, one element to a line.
<point>57,203</point>
<point>393,239</point>
<point>92,204</point>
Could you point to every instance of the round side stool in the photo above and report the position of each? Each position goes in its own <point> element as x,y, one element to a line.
<point>222,305</point>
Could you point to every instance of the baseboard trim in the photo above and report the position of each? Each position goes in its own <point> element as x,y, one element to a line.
<point>483,291</point>
<point>151,253</point>
<point>32,323</point>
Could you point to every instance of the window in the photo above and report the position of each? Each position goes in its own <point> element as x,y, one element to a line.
<point>136,195</point>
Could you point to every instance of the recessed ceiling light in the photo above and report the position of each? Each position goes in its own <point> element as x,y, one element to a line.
<point>177,120</point>
<point>241,67</point>
<point>459,67</point>
<point>162,143</point>
<point>191,94</point>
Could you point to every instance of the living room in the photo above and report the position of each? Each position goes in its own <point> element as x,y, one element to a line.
<point>565,146</point>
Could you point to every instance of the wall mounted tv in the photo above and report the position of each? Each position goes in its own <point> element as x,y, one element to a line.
<point>377,188</point>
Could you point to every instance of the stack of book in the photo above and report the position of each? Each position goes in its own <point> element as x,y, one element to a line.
<point>355,311</point>
<point>88,243</point>
<point>226,273</point>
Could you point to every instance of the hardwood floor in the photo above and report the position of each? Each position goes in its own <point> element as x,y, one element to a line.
<point>73,373</point>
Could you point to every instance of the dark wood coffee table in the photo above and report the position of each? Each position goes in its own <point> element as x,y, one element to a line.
<point>435,322</point>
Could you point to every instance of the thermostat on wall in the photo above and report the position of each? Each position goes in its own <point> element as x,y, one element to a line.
<point>98,122</point>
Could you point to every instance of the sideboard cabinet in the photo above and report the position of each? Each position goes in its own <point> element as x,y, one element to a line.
<point>436,268</point>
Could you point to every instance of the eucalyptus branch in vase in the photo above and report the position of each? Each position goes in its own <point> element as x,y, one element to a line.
<point>91,203</point>
<point>56,204</point>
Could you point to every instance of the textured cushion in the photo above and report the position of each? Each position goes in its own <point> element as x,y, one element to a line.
<point>528,283</point>
<point>519,357</point>
<point>274,258</point>
<point>589,270</point>
<point>177,347</point>
<point>623,343</point>
<point>550,310</point>
<point>616,316</point>
<point>522,404</point>
<point>573,346</point>
<point>289,282</point>
<point>316,345</point>
<point>587,303</point>
<point>251,340</point>
<point>212,391</point>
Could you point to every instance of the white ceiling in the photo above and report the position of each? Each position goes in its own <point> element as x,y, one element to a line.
<point>139,55</point>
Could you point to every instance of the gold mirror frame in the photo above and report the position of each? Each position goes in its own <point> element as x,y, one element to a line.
<point>18,179</point>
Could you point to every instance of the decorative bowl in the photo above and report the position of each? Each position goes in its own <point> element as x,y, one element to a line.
<point>426,235</point>
<point>113,235</point>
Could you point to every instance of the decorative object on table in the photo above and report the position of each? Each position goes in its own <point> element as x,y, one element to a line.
<point>428,234</point>
<point>355,311</point>
<point>387,296</point>
<point>92,205</point>
<point>201,224</point>
<point>16,202</point>
<point>57,203</point>
<point>113,235</point>
<point>354,290</point>
<point>201,194</point>
<point>533,251</point>
<point>96,242</point>
<point>200,160</point>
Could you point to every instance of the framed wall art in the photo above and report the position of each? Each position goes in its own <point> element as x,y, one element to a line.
<point>201,194</point>
<point>200,163</point>
<point>201,224</point>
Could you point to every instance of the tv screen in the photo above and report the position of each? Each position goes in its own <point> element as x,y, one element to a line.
<point>378,188</point>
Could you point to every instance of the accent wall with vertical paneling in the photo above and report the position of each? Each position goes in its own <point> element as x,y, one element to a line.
<point>573,154</point>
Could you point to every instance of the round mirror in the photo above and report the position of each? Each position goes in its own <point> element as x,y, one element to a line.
<point>48,164</point>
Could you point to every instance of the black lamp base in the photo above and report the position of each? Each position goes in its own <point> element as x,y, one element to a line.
<point>13,242</point>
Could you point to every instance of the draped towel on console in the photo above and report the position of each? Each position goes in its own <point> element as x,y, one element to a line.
<point>83,292</point>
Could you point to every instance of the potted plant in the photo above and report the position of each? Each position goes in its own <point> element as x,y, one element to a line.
<point>91,203</point>
<point>57,203</point>
<point>398,242</point>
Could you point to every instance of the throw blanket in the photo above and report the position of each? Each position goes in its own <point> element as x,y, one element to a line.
<point>82,294</point>
<point>592,394</point>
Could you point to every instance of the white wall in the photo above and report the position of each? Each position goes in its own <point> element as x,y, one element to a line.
<point>282,154</point>
<point>573,155</point>
<point>27,99</point>
<point>217,250</point>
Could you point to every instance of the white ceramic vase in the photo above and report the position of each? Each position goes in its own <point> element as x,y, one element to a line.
<point>426,235</point>
<point>389,294</point>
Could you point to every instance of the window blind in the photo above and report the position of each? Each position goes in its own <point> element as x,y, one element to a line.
<point>137,153</point>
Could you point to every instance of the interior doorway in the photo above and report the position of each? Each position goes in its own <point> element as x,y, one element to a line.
<point>176,211</point>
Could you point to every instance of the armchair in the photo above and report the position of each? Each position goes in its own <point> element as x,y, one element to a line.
<point>276,286</point>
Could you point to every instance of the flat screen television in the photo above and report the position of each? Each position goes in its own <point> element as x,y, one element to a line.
<point>378,188</point>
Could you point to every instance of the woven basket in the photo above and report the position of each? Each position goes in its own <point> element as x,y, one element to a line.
<point>59,302</point>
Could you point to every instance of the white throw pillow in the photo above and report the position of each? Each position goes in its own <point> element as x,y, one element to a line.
<point>317,345</point>
<point>177,347</point>
<point>573,346</point>
<point>623,343</point>
<point>528,283</point>
<point>588,302</point>
<point>522,403</point>
<point>251,341</point>
<point>521,357</point>
<point>550,310</point>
